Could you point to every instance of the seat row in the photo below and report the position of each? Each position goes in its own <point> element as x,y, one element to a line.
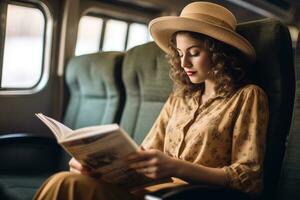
<point>114,87</point>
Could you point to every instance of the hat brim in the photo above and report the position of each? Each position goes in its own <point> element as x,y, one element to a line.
<point>163,28</point>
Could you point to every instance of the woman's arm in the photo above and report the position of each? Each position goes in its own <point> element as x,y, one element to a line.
<point>191,172</point>
<point>155,164</point>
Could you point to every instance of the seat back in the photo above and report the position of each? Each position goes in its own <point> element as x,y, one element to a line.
<point>95,86</point>
<point>147,84</point>
<point>274,72</point>
<point>96,92</point>
<point>290,178</point>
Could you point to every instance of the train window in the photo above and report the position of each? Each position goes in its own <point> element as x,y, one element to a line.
<point>118,35</point>
<point>23,47</point>
<point>115,35</point>
<point>89,35</point>
<point>138,34</point>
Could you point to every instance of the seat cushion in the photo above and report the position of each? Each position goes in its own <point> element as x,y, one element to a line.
<point>26,161</point>
<point>20,187</point>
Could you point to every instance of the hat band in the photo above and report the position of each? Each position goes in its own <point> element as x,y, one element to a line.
<point>208,18</point>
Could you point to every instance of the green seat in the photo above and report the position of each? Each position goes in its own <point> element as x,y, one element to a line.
<point>96,97</point>
<point>289,184</point>
<point>95,86</point>
<point>21,187</point>
<point>26,161</point>
<point>147,85</point>
<point>274,72</point>
<point>96,91</point>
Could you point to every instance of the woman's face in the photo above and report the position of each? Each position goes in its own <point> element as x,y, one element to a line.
<point>195,60</point>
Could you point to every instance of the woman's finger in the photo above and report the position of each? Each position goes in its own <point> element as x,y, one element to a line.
<point>83,171</point>
<point>76,167</point>
<point>147,170</point>
<point>75,164</point>
<point>73,170</point>
<point>140,156</point>
<point>142,164</point>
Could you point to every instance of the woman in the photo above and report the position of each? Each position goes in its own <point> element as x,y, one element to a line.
<point>211,129</point>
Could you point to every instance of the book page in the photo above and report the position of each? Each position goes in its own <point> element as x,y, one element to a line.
<point>91,131</point>
<point>60,131</point>
<point>104,153</point>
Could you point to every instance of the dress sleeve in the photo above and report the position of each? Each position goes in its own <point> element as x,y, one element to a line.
<point>248,143</point>
<point>156,135</point>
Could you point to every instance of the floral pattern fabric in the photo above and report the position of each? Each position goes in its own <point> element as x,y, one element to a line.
<point>226,132</point>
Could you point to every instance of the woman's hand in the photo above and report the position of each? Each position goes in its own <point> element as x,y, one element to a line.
<point>152,163</point>
<point>77,168</point>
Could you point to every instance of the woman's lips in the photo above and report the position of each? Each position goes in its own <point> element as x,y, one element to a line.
<point>190,73</point>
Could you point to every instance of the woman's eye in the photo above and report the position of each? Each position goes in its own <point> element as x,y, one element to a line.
<point>194,53</point>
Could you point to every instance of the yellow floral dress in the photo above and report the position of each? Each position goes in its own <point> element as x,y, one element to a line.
<point>226,132</point>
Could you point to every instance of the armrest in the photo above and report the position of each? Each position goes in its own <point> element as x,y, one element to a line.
<point>25,153</point>
<point>197,192</point>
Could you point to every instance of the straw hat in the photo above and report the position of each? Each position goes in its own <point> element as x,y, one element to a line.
<point>202,17</point>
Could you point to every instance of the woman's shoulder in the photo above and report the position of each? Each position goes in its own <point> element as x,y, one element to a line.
<point>173,98</point>
<point>189,100</point>
<point>251,90</point>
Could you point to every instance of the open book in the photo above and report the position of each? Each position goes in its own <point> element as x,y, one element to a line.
<point>101,148</point>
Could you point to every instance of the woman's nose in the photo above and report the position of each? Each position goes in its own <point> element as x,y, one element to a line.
<point>185,63</point>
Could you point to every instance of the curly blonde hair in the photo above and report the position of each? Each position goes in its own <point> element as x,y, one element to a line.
<point>227,70</point>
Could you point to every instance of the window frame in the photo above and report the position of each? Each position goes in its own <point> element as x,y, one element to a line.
<point>47,43</point>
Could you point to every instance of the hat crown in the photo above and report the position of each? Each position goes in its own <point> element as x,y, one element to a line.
<point>211,13</point>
